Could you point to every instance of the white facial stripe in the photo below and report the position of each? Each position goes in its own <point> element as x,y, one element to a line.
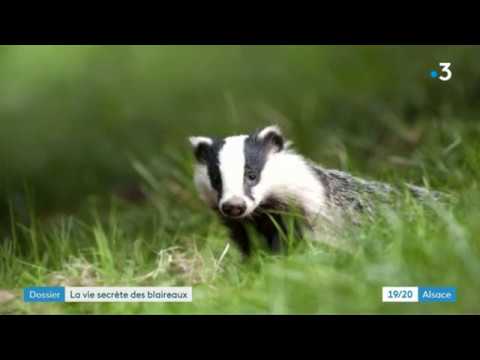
<point>232,163</point>
<point>286,176</point>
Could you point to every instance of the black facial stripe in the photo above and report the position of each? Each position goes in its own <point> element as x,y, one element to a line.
<point>213,165</point>
<point>255,153</point>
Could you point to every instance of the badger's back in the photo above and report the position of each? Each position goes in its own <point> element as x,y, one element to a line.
<point>348,192</point>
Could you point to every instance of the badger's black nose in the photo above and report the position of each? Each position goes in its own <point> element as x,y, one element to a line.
<point>234,207</point>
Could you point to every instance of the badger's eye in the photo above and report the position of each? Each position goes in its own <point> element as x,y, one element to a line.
<point>251,175</point>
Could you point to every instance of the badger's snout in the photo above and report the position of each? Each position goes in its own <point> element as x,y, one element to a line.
<point>234,207</point>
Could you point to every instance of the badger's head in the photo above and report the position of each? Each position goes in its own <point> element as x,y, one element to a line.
<point>229,173</point>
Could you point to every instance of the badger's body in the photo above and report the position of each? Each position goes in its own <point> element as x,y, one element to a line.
<point>248,178</point>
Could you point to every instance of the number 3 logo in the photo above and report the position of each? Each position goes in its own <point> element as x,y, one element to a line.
<point>446,71</point>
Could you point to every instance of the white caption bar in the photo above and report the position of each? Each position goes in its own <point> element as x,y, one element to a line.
<point>128,294</point>
<point>400,294</point>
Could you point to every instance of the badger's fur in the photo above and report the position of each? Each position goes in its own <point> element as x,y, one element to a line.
<point>247,178</point>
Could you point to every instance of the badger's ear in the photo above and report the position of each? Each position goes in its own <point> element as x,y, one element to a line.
<point>200,145</point>
<point>272,137</point>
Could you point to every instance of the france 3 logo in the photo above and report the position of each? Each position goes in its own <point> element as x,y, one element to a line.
<point>444,74</point>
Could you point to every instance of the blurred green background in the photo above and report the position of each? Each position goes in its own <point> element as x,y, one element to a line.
<point>85,123</point>
<point>70,116</point>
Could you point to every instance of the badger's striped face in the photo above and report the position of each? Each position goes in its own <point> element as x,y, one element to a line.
<point>229,171</point>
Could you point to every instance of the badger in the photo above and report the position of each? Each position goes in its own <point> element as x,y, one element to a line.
<point>250,179</point>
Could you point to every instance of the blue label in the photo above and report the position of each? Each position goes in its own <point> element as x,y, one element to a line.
<point>44,294</point>
<point>437,294</point>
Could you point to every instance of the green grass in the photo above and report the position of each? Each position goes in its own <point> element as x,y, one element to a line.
<point>412,245</point>
<point>81,124</point>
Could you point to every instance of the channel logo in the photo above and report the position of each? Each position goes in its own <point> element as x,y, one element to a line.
<point>444,74</point>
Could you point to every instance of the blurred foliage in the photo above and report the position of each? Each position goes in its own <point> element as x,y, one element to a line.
<point>72,117</point>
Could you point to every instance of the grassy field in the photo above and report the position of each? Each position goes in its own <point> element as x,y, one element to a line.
<point>96,188</point>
